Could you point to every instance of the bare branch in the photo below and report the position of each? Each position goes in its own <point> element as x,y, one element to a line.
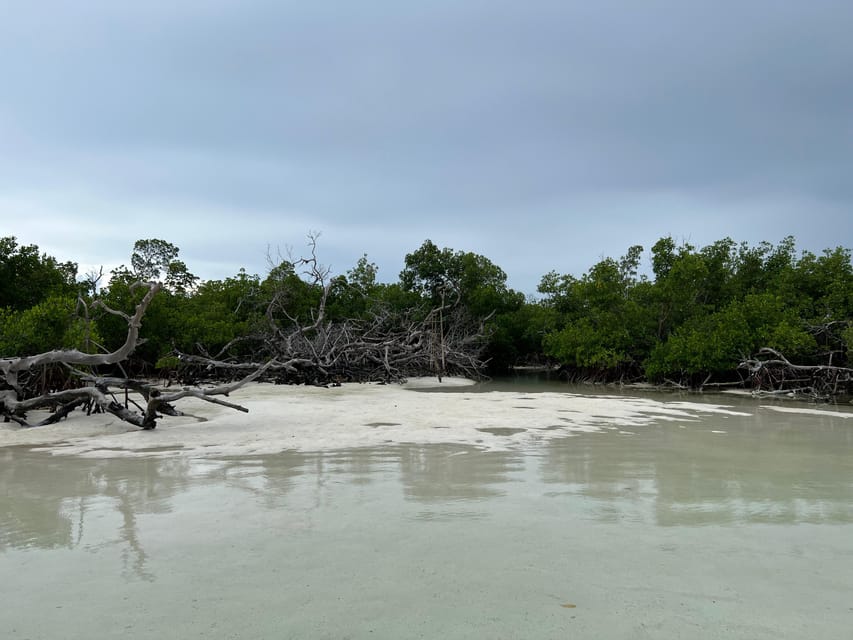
<point>773,374</point>
<point>10,367</point>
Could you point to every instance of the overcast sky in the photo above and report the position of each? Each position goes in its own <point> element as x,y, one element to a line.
<point>544,135</point>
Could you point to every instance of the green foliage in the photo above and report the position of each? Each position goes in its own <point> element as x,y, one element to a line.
<point>516,336</point>
<point>703,311</point>
<point>823,285</point>
<point>352,296</point>
<point>706,310</point>
<point>184,315</point>
<point>167,362</point>
<point>362,277</point>
<point>51,324</point>
<point>122,296</point>
<point>219,312</point>
<point>601,344</point>
<point>679,289</point>
<point>295,298</point>
<point>846,336</point>
<point>717,342</point>
<point>397,299</point>
<point>27,277</point>
<point>436,277</point>
<point>603,323</point>
<point>442,274</point>
<point>38,300</point>
<point>557,290</point>
<point>154,257</point>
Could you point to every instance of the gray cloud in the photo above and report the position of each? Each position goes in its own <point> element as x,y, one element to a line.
<point>545,135</point>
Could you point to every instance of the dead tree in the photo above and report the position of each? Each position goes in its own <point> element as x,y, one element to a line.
<point>382,345</point>
<point>771,373</point>
<point>386,346</point>
<point>16,399</point>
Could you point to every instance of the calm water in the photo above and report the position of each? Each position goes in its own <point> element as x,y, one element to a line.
<point>669,531</point>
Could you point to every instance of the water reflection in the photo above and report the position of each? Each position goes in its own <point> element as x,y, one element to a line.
<point>767,468</point>
<point>453,482</point>
<point>268,479</point>
<point>441,474</point>
<point>761,471</point>
<point>52,502</point>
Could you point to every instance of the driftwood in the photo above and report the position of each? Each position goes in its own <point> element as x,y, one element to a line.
<point>772,373</point>
<point>98,391</point>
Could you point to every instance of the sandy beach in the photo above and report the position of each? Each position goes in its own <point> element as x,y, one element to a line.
<point>422,411</point>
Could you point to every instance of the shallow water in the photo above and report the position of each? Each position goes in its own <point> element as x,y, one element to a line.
<point>723,526</point>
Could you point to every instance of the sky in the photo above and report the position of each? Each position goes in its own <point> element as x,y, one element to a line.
<point>545,135</point>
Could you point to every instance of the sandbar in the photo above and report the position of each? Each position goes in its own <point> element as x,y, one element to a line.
<point>304,418</point>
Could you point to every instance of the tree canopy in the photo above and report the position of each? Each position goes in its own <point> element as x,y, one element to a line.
<point>679,313</point>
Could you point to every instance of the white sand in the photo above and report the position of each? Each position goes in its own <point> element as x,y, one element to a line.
<point>356,415</point>
<point>826,413</point>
